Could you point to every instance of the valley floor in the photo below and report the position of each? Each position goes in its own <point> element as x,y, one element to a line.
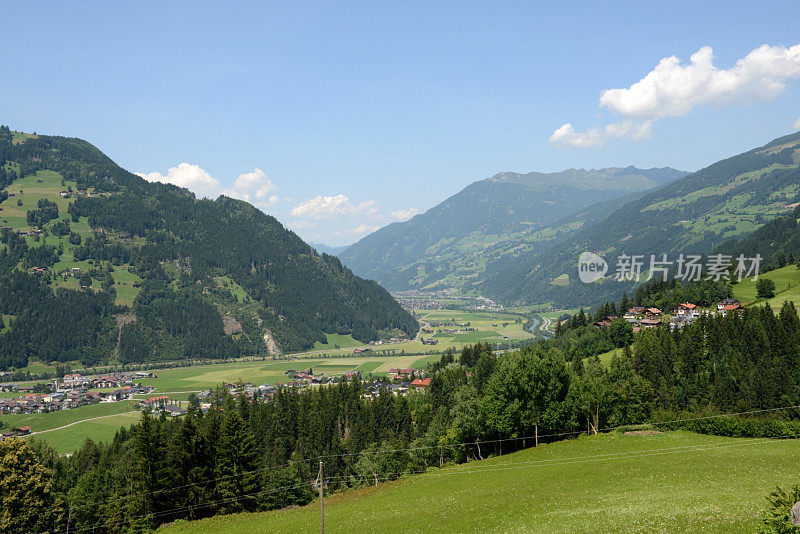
<point>675,482</point>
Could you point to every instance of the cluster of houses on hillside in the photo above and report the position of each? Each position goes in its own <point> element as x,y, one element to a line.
<point>72,391</point>
<point>683,314</point>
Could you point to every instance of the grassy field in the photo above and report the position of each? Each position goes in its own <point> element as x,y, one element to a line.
<point>337,341</point>
<point>605,358</point>
<point>490,327</point>
<point>787,287</point>
<point>676,482</point>
<point>47,421</point>
<point>68,440</point>
<point>98,421</point>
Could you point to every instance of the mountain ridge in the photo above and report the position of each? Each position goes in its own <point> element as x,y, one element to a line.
<point>450,243</point>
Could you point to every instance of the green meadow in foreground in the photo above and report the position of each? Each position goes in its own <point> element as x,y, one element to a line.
<point>670,482</point>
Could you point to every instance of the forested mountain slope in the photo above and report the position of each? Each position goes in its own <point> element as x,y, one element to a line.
<point>97,264</point>
<point>696,214</point>
<point>450,244</point>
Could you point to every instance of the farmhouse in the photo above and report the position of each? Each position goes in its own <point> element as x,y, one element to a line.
<point>725,306</point>
<point>421,383</point>
<point>402,372</point>
<point>687,309</point>
<point>174,410</point>
<point>606,322</point>
<point>103,382</point>
<point>725,310</point>
<point>679,321</point>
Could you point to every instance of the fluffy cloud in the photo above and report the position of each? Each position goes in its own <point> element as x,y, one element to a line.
<point>404,215</point>
<point>567,137</point>
<point>253,187</point>
<point>796,124</point>
<point>333,207</point>
<point>188,175</point>
<point>673,89</point>
<point>254,184</point>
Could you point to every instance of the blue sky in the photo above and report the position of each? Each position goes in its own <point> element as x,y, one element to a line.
<point>342,117</point>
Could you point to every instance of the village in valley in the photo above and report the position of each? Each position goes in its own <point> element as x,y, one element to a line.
<point>75,390</point>
<point>72,391</point>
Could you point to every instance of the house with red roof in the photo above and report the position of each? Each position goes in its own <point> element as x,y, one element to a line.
<point>687,309</point>
<point>421,383</point>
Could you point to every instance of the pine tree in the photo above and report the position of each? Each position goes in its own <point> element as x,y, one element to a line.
<point>237,461</point>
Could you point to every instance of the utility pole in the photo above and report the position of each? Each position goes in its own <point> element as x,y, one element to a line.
<point>321,504</point>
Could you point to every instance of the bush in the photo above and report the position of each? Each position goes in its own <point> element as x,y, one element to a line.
<point>765,288</point>
<point>734,427</point>
<point>777,518</point>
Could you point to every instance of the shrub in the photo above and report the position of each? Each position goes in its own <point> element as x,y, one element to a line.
<point>777,518</point>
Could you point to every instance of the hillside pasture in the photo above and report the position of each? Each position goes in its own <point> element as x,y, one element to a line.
<point>787,287</point>
<point>48,185</point>
<point>675,481</point>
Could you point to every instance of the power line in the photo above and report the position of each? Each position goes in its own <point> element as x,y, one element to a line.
<point>446,446</point>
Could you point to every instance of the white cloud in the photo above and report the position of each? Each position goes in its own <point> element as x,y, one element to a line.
<point>187,175</point>
<point>333,207</point>
<point>358,230</point>
<point>255,184</point>
<point>567,137</point>
<point>796,124</point>
<point>673,89</point>
<point>404,215</point>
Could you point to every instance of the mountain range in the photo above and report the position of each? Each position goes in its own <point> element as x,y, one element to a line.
<point>504,216</point>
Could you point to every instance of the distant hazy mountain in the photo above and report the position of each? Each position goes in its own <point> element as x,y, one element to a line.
<point>695,215</point>
<point>451,244</point>
<point>325,249</point>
